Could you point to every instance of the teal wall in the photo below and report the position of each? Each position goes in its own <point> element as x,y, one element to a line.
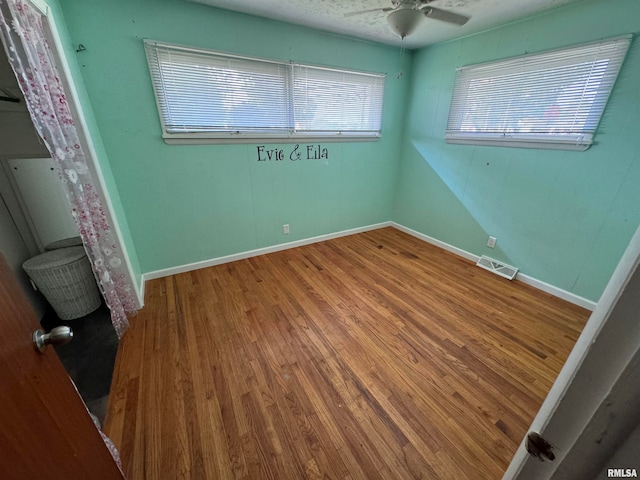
<point>188,203</point>
<point>95,134</point>
<point>562,217</point>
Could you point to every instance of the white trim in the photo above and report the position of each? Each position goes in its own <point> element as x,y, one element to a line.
<point>259,251</point>
<point>234,139</point>
<point>537,74</point>
<point>173,107</point>
<point>436,242</point>
<point>571,145</point>
<point>142,287</point>
<point>91,154</point>
<point>41,5</point>
<point>558,292</point>
<point>539,284</point>
<point>527,279</point>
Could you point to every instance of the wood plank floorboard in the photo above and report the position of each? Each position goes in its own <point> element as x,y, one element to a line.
<point>373,356</point>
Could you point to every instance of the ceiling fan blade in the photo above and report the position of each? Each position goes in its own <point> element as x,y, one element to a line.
<point>445,15</point>
<point>360,12</point>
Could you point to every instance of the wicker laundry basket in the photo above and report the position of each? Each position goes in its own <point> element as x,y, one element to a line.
<point>65,278</point>
<point>64,243</point>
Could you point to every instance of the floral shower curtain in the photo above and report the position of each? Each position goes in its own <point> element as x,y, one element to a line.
<point>23,32</point>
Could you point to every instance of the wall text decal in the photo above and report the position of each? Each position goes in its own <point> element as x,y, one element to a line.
<point>306,152</point>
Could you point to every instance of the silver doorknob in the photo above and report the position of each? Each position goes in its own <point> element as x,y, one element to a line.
<point>57,336</point>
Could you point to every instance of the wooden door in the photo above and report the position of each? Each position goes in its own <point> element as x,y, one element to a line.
<point>45,429</point>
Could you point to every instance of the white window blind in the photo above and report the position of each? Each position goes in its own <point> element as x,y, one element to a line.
<point>205,94</point>
<point>553,99</point>
<point>327,100</point>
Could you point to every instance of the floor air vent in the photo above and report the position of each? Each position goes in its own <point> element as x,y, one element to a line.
<point>499,268</point>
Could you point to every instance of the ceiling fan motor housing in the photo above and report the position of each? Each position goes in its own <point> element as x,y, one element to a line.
<point>404,18</point>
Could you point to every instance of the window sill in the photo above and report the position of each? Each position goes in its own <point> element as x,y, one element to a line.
<point>536,144</point>
<point>207,139</point>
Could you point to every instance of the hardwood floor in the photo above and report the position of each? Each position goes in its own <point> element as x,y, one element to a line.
<point>365,357</point>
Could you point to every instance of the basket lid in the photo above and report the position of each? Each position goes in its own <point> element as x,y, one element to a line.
<point>63,243</point>
<point>54,258</point>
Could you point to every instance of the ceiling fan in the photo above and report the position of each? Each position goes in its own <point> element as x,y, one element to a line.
<point>405,15</point>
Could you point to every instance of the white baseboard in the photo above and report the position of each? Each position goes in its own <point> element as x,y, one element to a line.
<point>259,251</point>
<point>539,284</point>
<point>141,290</point>
<point>534,282</point>
<point>558,292</point>
<point>436,242</point>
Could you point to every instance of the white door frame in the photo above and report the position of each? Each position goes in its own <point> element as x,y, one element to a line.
<point>604,350</point>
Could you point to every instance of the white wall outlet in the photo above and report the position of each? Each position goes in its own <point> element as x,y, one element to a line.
<point>285,229</point>
<point>491,243</point>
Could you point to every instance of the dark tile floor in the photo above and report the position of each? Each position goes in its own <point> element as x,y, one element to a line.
<point>89,358</point>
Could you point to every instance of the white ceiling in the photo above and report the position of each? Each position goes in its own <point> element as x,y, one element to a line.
<point>329,15</point>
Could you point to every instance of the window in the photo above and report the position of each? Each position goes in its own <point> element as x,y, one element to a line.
<point>548,100</point>
<point>223,98</point>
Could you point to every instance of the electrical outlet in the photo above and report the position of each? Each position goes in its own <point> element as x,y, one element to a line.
<point>491,243</point>
<point>285,229</point>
